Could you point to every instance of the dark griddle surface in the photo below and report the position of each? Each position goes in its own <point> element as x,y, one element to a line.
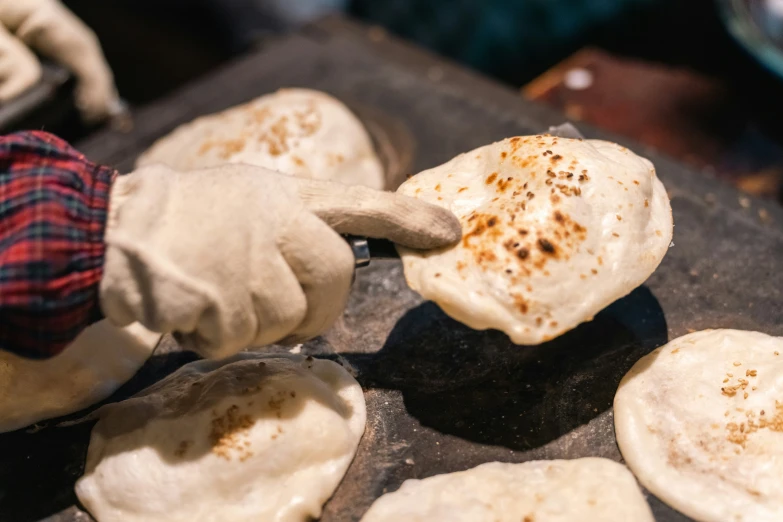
<point>442,397</point>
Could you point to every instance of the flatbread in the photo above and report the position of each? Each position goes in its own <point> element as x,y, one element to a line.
<point>554,230</point>
<point>581,490</point>
<point>100,360</point>
<point>252,437</point>
<point>300,132</point>
<point>700,423</point>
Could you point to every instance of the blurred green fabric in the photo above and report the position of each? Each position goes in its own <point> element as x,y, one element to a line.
<point>511,39</point>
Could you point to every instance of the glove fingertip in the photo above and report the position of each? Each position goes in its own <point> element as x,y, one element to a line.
<point>435,227</point>
<point>446,229</point>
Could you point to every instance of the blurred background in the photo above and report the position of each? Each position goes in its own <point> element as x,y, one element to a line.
<point>697,79</point>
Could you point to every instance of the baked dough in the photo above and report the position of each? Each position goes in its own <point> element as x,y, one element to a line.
<point>581,490</point>
<point>554,230</point>
<point>100,360</point>
<point>700,423</point>
<point>301,132</point>
<point>248,438</point>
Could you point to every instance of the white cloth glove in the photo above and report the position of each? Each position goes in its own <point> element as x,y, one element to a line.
<point>237,256</point>
<point>51,29</point>
<point>19,68</point>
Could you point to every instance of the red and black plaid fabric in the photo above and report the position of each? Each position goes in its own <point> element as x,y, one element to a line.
<point>53,207</point>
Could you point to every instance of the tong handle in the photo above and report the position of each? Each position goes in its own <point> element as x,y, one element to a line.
<point>365,249</point>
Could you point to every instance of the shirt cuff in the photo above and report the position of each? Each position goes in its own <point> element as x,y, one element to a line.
<point>53,208</point>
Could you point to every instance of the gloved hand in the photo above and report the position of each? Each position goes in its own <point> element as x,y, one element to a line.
<point>51,29</point>
<point>236,256</point>
<point>19,68</point>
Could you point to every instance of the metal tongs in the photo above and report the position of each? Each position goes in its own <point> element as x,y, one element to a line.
<point>366,249</point>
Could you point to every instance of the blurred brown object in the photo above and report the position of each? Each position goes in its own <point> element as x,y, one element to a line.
<point>693,118</point>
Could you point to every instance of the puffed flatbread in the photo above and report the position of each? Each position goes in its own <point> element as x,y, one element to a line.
<point>700,423</point>
<point>100,360</point>
<point>554,230</point>
<point>581,490</point>
<point>249,438</point>
<point>300,132</point>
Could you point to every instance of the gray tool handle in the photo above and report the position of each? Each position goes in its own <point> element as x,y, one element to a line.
<point>367,249</point>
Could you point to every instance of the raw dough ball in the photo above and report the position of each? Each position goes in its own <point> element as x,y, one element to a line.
<point>581,490</point>
<point>554,230</point>
<point>100,360</point>
<point>249,438</point>
<point>700,423</point>
<point>301,132</point>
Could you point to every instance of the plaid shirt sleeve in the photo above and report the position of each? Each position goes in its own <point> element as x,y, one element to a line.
<point>53,208</point>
